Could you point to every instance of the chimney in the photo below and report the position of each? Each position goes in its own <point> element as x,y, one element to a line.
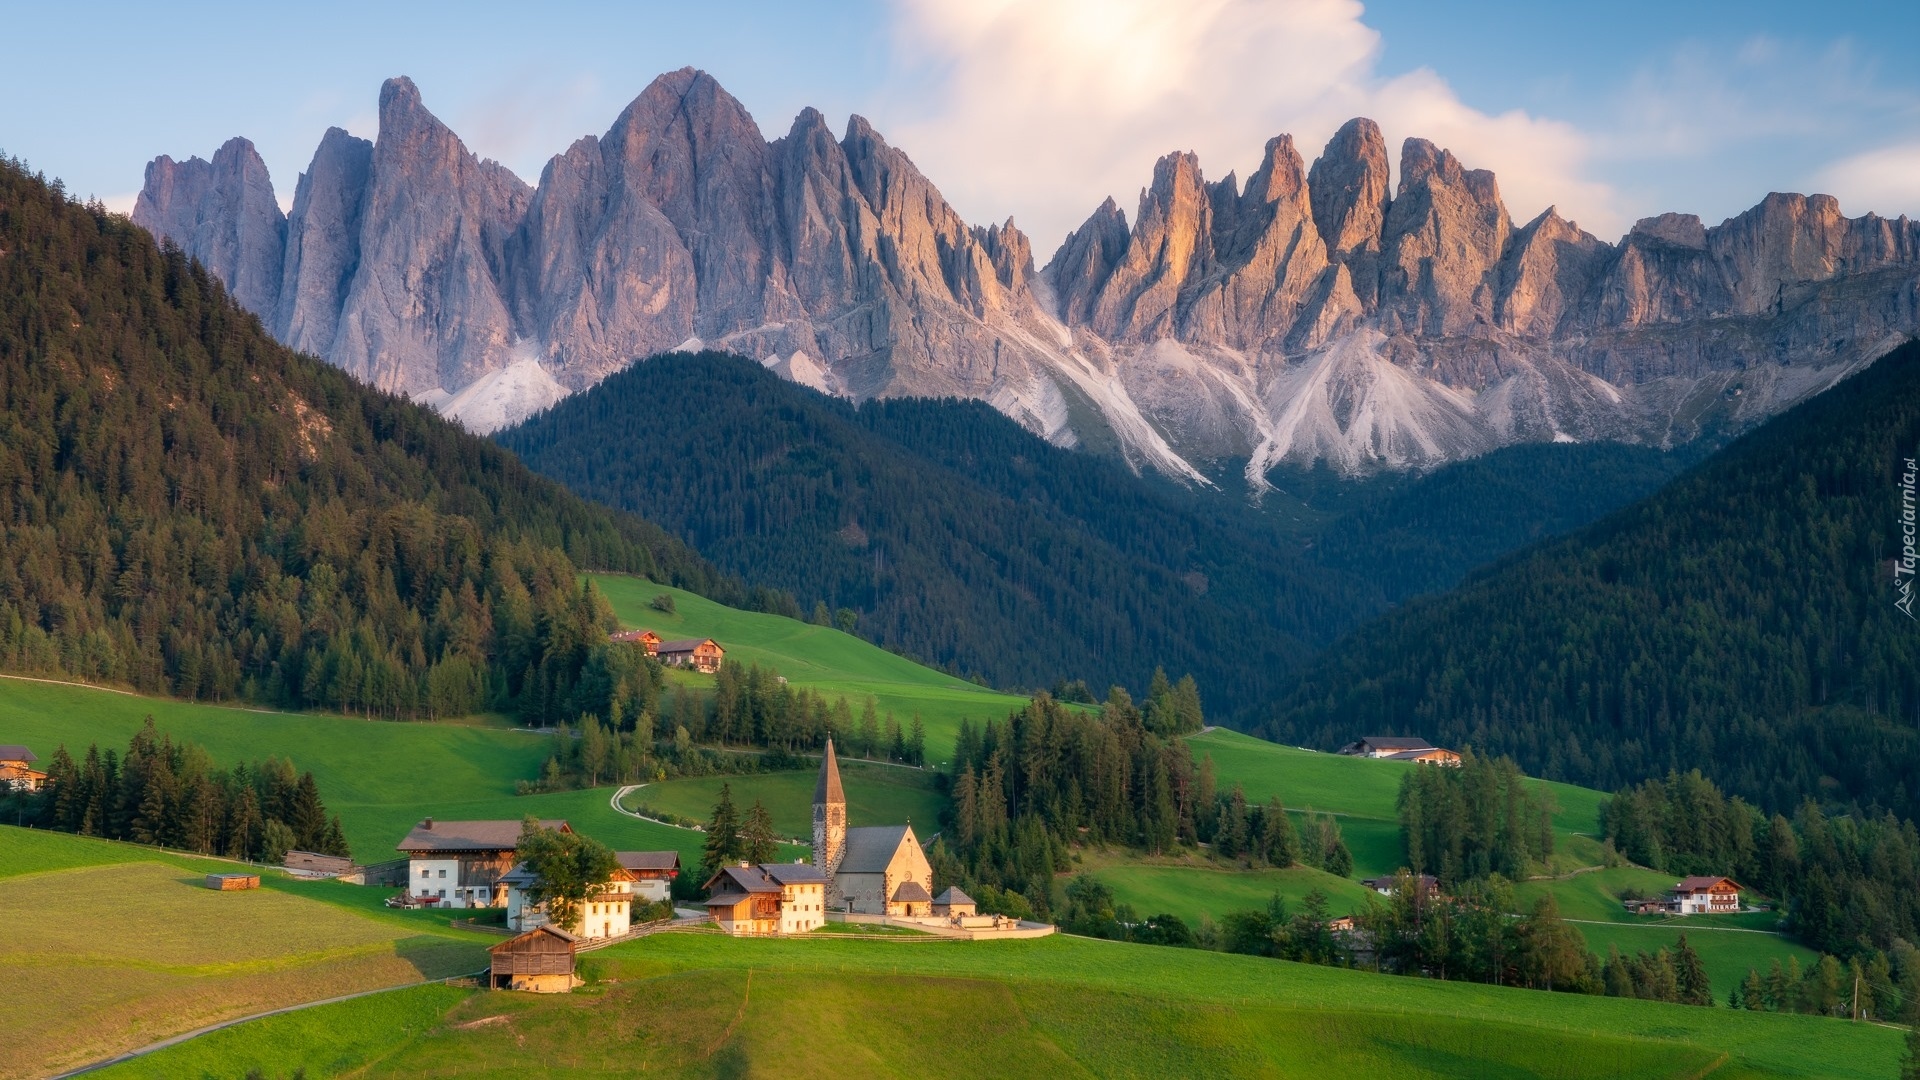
<point>427,824</point>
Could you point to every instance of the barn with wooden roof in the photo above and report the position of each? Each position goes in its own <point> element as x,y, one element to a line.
<point>540,960</point>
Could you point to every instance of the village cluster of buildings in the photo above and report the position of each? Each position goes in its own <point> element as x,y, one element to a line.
<point>1401,748</point>
<point>877,873</point>
<point>700,654</point>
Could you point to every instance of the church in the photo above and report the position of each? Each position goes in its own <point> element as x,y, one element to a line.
<point>872,870</point>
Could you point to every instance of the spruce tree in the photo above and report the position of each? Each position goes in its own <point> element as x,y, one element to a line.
<point>1691,974</point>
<point>722,847</point>
<point>757,839</point>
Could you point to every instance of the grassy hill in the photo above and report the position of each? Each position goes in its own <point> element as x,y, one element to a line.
<point>817,657</point>
<point>876,795</point>
<point>701,1006</point>
<point>118,946</point>
<point>380,777</point>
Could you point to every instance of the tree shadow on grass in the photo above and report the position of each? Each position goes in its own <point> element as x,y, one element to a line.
<point>437,957</point>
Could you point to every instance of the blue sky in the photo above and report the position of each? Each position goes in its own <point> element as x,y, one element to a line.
<point>1032,110</point>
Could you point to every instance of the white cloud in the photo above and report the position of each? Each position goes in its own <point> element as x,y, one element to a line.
<point>1044,108</point>
<point>1886,180</point>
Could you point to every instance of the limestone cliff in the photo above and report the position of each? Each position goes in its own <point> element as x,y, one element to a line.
<point>1309,313</point>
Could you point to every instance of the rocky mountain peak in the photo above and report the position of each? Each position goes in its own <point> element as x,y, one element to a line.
<point>224,212</point>
<point>1301,313</point>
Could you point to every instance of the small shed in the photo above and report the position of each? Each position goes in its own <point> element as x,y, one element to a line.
<point>953,902</point>
<point>232,882</point>
<point>540,961</point>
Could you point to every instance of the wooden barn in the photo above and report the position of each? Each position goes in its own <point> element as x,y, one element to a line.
<point>539,961</point>
<point>646,639</point>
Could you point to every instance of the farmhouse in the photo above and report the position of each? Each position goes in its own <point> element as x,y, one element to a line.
<point>540,960</point>
<point>1428,884</point>
<point>772,898</point>
<point>1401,748</point>
<point>700,654</point>
<point>1704,895</point>
<point>607,913</point>
<point>646,639</point>
<point>874,870</point>
<point>460,864</point>
<point>17,772</point>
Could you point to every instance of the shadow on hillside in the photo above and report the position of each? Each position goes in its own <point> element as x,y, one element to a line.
<point>440,958</point>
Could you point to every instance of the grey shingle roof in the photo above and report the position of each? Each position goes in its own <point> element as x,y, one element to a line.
<point>952,896</point>
<point>12,752</point>
<point>795,873</point>
<point>1397,742</point>
<point>648,860</point>
<point>685,645</point>
<point>870,848</point>
<point>911,892</point>
<point>431,835</point>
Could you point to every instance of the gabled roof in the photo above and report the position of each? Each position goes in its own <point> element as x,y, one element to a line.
<point>11,752</point>
<point>431,835</point>
<point>795,873</point>
<point>731,899</point>
<point>1415,755</point>
<point>1696,884</point>
<point>544,928</point>
<point>952,896</point>
<point>1397,742</point>
<point>746,879</point>
<point>870,848</point>
<point>911,892</point>
<point>317,863</point>
<point>648,860</point>
<point>681,645</point>
<point>828,789</point>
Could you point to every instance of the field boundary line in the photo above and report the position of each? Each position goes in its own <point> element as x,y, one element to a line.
<point>1681,925</point>
<point>176,1040</point>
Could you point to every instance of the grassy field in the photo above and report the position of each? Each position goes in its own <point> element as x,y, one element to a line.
<point>116,947</point>
<point>381,777</point>
<point>703,1006</point>
<point>1192,887</point>
<point>818,657</point>
<point>876,795</point>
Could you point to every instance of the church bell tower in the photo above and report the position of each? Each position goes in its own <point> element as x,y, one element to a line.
<point>829,818</point>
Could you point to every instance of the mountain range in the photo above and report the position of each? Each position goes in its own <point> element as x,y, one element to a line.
<point>1344,312</point>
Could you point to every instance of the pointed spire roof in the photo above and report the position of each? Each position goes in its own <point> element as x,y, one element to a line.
<point>828,789</point>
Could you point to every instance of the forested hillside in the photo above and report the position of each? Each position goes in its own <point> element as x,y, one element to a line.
<point>957,536</point>
<point>188,507</point>
<point>1742,620</point>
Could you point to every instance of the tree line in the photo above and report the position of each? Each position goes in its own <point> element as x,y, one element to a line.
<point>1847,882</point>
<point>1482,818</point>
<point>1049,778</point>
<point>170,794</point>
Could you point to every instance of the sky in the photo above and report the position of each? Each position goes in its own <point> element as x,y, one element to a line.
<point>1038,110</point>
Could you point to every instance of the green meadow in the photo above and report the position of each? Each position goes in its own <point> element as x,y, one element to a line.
<point>684,1005</point>
<point>876,795</point>
<point>127,946</point>
<point>818,657</point>
<point>380,776</point>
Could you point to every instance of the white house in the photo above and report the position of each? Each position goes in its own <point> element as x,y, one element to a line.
<point>772,898</point>
<point>642,878</point>
<point>1705,895</point>
<point>460,864</point>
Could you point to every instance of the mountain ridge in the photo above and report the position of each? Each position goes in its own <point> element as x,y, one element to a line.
<point>1309,315</point>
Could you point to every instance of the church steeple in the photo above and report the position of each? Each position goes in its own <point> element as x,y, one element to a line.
<point>829,816</point>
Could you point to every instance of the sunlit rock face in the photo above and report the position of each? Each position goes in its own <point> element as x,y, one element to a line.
<point>1311,313</point>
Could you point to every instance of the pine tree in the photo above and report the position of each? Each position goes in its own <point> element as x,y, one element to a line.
<point>1753,995</point>
<point>917,743</point>
<point>757,839</point>
<point>1691,975</point>
<point>722,847</point>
